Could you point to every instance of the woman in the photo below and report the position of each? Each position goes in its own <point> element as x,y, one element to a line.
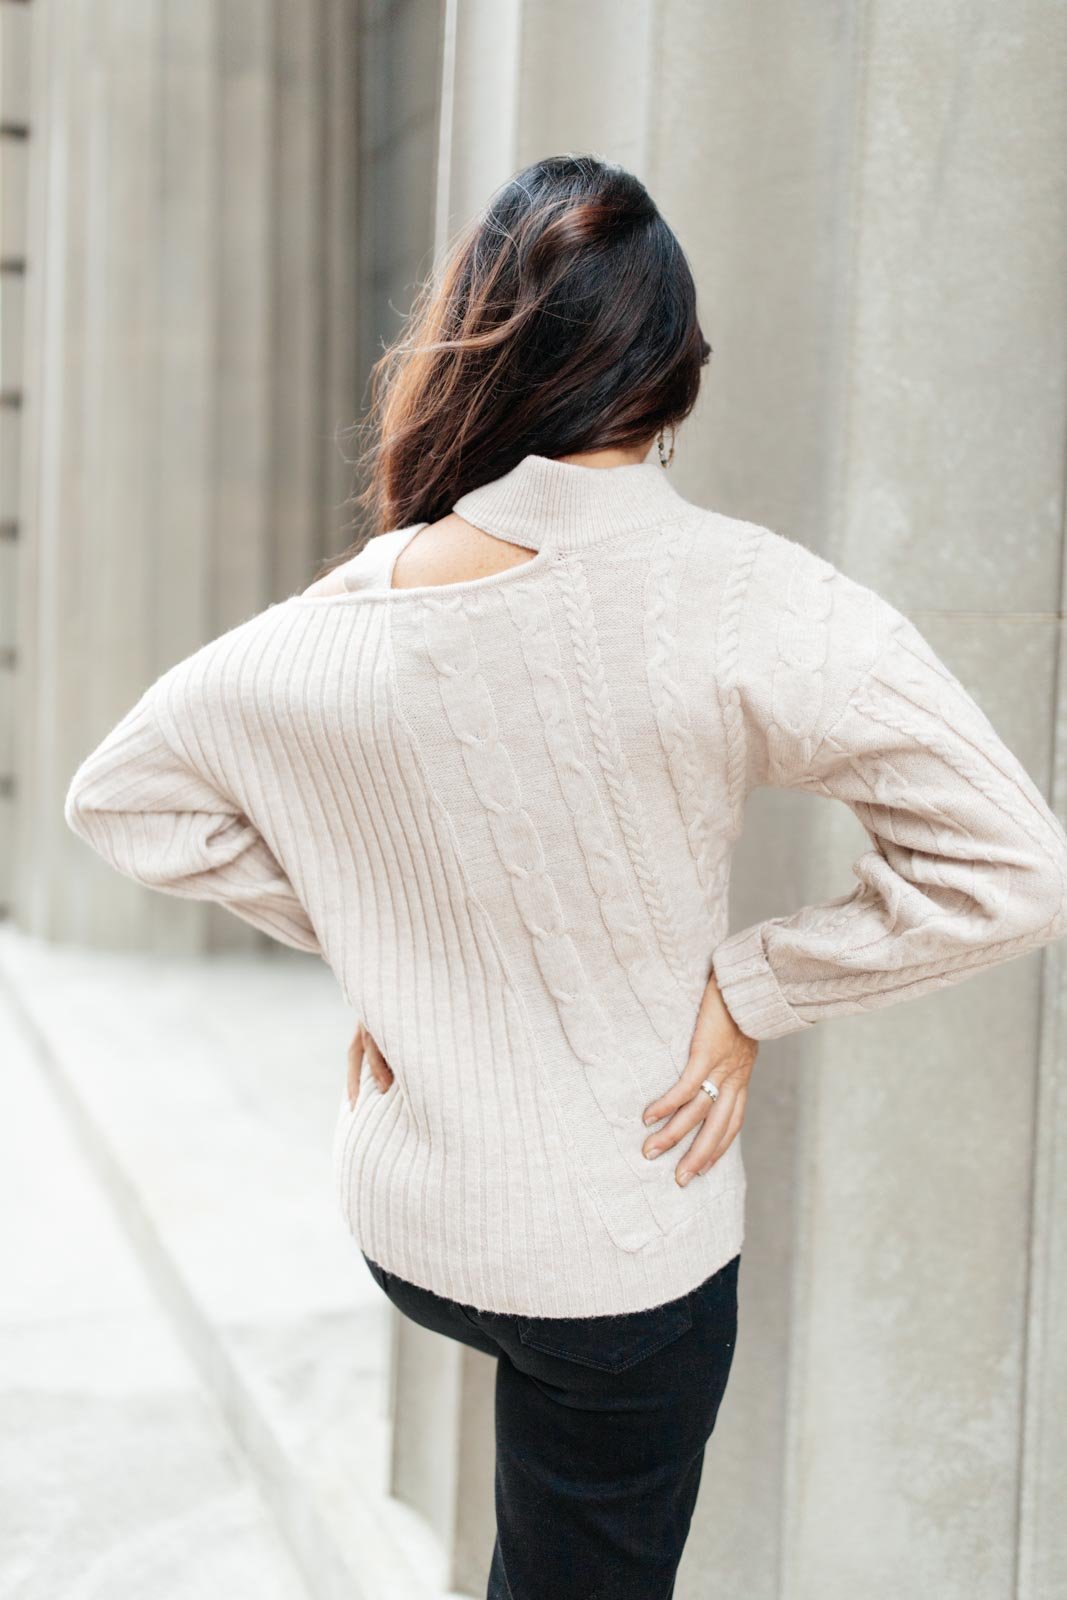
<point>491,768</point>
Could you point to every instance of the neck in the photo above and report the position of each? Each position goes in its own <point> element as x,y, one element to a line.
<point>618,457</point>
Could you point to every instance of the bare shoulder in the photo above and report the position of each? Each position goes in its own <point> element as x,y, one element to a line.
<point>453,550</point>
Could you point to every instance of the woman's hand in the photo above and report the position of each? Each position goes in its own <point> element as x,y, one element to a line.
<point>382,1073</point>
<point>721,1052</point>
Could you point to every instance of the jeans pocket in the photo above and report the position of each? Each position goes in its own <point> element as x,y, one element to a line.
<point>610,1343</point>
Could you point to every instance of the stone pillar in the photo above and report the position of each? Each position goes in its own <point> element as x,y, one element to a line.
<point>441,1393</point>
<point>400,45</point>
<point>924,1448</point>
<point>876,214</point>
<point>192,351</point>
<point>15,16</point>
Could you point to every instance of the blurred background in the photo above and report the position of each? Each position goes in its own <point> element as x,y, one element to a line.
<point>213,214</point>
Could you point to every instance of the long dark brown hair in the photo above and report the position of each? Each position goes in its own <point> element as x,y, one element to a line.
<point>563,319</point>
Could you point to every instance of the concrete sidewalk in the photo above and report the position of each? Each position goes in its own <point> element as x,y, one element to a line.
<point>196,1359</point>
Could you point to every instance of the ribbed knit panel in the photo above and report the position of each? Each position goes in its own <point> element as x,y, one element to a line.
<point>503,812</point>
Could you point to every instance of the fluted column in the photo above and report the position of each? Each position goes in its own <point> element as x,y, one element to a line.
<point>441,1393</point>
<point>875,208</point>
<point>15,133</point>
<point>192,353</point>
<point>925,1442</point>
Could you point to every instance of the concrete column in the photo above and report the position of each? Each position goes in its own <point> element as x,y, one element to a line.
<point>441,1393</point>
<point>14,150</point>
<point>400,46</point>
<point>192,329</point>
<point>927,1266</point>
<point>876,213</point>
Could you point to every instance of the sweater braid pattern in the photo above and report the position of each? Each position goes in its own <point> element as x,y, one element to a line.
<point>710,856</point>
<point>729,656</point>
<point>470,712</point>
<point>618,776</point>
<point>645,969</point>
<point>798,683</point>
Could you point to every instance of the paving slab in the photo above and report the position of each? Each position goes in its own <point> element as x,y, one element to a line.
<point>204,1093</point>
<point>118,1477</point>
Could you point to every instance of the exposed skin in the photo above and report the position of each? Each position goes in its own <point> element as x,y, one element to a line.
<point>453,551</point>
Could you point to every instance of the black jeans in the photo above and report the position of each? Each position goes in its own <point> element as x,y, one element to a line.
<point>601,1424</point>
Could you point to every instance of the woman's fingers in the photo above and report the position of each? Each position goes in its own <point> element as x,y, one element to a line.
<point>686,1117</point>
<point>719,1124</point>
<point>733,1128</point>
<point>712,1142</point>
<point>675,1098</point>
<point>364,1045</point>
<point>715,1118</point>
<point>730,1074</point>
<point>355,1063</point>
<point>381,1071</point>
<point>719,1051</point>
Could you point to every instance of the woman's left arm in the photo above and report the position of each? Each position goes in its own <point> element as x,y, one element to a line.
<point>967,865</point>
<point>152,812</point>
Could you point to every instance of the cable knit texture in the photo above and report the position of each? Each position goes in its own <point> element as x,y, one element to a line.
<point>503,813</point>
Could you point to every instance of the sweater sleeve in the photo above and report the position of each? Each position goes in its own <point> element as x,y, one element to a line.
<point>152,814</point>
<point>967,866</point>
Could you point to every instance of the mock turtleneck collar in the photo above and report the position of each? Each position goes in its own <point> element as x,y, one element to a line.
<point>542,500</point>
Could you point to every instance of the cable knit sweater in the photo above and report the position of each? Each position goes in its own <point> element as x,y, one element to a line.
<point>503,813</point>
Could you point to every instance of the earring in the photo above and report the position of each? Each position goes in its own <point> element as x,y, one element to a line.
<point>665,456</point>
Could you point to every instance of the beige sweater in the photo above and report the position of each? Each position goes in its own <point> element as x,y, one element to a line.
<point>503,813</point>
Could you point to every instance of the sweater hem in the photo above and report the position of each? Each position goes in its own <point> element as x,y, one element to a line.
<point>665,1270</point>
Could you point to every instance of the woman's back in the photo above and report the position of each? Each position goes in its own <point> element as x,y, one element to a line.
<point>474,792</point>
<point>502,810</point>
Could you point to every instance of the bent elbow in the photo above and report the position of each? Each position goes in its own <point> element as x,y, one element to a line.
<point>1054,892</point>
<point>77,805</point>
<point>1038,894</point>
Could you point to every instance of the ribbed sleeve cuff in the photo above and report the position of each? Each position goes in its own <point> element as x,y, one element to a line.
<point>750,989</point>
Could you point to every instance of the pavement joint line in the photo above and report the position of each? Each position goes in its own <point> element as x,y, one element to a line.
<point>320,1561</point>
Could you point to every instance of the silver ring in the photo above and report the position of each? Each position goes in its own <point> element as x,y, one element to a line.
<point>710,1089</point>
